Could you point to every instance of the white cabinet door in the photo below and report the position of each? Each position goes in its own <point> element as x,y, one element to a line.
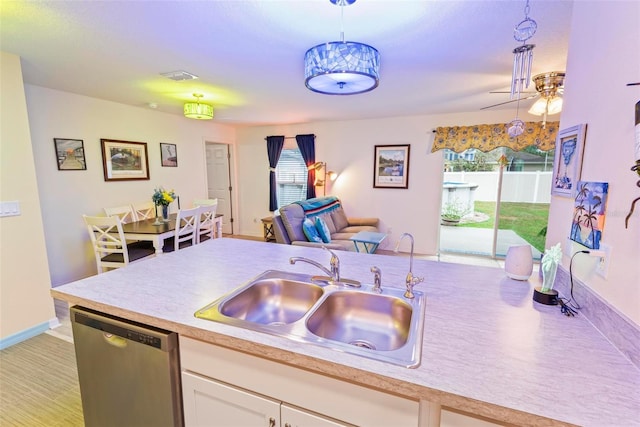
<point>210,403</point>
<point>295,417</point>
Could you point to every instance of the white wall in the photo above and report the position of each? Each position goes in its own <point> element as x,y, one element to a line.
<point>603,57</point>
<point>66,195</point>
<point>348,148</point>
<point>25,301</point>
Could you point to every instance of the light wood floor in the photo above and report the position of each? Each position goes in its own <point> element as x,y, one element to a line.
<point>39,384</point>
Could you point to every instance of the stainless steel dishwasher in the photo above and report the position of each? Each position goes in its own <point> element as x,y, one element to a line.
<point>129,373</point>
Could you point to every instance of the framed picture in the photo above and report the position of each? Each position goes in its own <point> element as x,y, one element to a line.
<point>567,163</point>
<point>124,160</point>
<point>589,213</point>
<point>391,166</point>
<point>70,154</point>
<point>168,154</point>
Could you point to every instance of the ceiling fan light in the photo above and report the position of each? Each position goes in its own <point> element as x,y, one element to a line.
<point>555,105</point>
<point>549,106</point>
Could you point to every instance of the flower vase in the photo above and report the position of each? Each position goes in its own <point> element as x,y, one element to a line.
<point>158,220</point>
<point>165,213</point>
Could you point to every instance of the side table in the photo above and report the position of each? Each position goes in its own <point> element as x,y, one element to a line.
<point>267,225</point>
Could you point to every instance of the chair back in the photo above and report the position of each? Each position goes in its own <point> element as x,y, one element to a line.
<point>187,225</point>
<point>125,213</point>
<point>205,202</point>
<point>207,227</point>
<point>107,239</point>
<point>144,210</point>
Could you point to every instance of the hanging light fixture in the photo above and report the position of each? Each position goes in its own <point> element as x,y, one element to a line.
<point>342,68</point>
<point>522,60</point>
<point>196,110</point>
<point>550,102</point>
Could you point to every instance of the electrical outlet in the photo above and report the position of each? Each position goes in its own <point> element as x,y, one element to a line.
<point>602,268</point>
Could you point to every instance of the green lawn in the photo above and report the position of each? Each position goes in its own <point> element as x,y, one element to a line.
<point>526,219</point>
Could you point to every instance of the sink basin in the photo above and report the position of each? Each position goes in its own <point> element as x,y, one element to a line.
<point>305,308</point>
<point>272,301</point>
<point>371,321</point>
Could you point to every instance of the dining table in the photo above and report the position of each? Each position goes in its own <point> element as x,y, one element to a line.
<point>156,231</point>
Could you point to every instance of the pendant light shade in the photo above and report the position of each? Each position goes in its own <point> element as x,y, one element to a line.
<point>197,110</point>
<point>342,68</point>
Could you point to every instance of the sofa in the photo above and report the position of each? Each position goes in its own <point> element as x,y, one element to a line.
<point>288,223</point>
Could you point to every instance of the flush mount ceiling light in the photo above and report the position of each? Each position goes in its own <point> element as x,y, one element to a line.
<point>342,68</point>
<point>196,110</point>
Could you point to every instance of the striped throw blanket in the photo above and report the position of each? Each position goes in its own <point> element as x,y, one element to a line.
<point>319,205</point>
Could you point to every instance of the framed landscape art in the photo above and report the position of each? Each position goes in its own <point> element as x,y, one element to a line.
<point>391,166</point>
<point>70,154</point>
<point>567,163</point>
<point>124,160</point>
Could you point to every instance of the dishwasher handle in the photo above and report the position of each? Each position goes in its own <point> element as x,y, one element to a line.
<point>123,330</point>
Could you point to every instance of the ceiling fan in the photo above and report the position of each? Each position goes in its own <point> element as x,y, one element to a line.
<point>549,87</point>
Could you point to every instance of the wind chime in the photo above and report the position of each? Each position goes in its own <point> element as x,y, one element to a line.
<point>522,60</point>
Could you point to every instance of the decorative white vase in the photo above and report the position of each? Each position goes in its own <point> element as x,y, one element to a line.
<point>519,262</point>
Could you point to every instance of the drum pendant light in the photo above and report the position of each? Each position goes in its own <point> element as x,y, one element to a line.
<point>197,110</point>
<point>342,68</point>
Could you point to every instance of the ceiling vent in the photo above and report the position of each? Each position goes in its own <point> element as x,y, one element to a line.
<point>179,75</point>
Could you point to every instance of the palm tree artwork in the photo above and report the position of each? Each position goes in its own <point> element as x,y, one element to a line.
<point>589,213</point>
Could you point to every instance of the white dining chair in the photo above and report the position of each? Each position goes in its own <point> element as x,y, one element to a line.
<point>124,212</point>
<point>205,202</point>
<point>109,245</point>
<point>144,210</point>
<point>186,234</point>
<point>207,229</point>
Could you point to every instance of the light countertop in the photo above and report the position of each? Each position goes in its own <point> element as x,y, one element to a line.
<point>488,349</point>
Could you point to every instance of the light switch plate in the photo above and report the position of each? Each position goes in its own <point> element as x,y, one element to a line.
<point>11,208</point>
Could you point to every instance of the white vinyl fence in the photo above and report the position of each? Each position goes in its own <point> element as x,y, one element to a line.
<point>529,187</point>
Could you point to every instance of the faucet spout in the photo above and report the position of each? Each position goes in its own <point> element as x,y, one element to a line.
<point>410,280</point>
<point>411,254</point>
<point>295,259</point>
<point>334,263</point>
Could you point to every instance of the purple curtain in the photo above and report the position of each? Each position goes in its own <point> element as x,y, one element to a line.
<point>274,148</point>
<point>307,146</point>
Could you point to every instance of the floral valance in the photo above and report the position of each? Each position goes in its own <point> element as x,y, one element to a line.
<point>487,137</point>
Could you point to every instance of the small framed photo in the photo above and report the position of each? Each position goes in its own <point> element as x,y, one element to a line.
<point>124,160</point>
<point>168,154</point>
<point>70,154</point>
<point>391,166</point>
<point>567,163</point>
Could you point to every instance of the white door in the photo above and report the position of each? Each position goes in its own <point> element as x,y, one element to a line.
<point>219,182</point>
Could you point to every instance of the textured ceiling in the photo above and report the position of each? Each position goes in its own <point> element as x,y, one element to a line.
<point>436,56</point>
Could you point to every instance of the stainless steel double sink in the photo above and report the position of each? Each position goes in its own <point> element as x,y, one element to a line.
<point>382,326</point>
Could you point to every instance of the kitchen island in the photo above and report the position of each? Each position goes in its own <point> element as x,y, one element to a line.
<point>487,350</point>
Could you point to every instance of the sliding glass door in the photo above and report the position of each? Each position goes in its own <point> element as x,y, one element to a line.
<point>502,198</point>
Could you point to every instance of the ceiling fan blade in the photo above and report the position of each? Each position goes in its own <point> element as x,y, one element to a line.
<point>508,102</point>
<point>506,91</point>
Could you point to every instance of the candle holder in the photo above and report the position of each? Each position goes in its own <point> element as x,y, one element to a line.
<point>158,220</point>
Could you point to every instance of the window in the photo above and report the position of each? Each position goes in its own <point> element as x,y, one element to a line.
<point>291,177</point>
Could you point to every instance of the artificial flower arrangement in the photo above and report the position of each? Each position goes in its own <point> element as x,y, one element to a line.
<point>162,196</point>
